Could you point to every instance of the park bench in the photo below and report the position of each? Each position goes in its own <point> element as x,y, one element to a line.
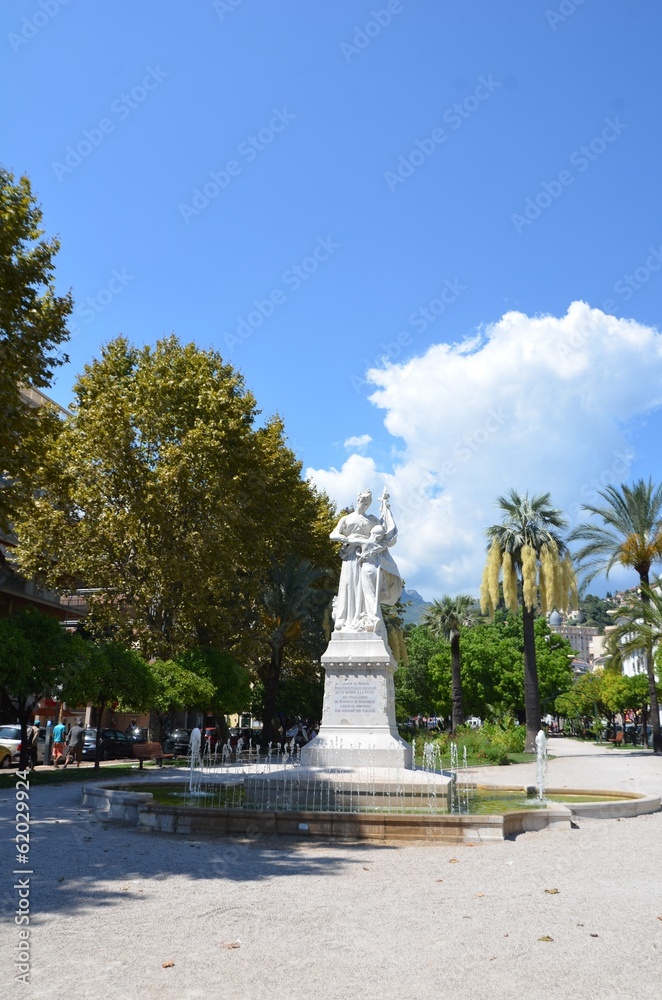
<point>617,739</point>
<point>150,751</point>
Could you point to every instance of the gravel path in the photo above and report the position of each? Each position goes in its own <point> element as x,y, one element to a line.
<point>109,905</point>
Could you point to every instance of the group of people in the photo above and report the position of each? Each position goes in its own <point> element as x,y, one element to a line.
<point>68,746</point>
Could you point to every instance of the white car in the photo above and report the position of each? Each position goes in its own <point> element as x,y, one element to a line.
<point>10,737</point>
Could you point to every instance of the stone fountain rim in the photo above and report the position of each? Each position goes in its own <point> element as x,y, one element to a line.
<point>112,799</point>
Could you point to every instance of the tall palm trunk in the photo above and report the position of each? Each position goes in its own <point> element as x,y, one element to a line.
<point>456,679</point>
<point>650,670</point>
<point>271,681</point>
<point>531,690</point>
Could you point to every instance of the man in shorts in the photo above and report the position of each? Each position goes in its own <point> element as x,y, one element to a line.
<point>74,745</point>
<point>59,733</point>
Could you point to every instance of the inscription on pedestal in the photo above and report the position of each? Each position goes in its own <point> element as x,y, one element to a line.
<point>356,697</point>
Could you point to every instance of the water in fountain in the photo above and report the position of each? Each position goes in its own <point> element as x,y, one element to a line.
<point>195,770</point>
<point>541,764</point>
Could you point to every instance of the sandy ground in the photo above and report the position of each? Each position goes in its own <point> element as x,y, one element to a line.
<point>109,905</point>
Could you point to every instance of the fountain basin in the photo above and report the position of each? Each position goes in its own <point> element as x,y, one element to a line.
<point>113,801</point>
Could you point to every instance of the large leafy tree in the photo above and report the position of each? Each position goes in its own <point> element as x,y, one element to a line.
<point>630,535</point>
<point>164,499</point>
<point>528,549</point>
<point>447,617</point>
<point>32,326</point>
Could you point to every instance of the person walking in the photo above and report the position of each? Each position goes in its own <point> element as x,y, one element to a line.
<point>59,733</point>
<point>74,745</point>
<point>31,734</point>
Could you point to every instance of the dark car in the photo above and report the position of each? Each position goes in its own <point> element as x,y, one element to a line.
<point>114,744</point>
<point>178,741</point>
<point>138,734</point>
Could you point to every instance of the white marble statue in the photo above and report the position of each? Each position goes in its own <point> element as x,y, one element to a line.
<point>369,576</point>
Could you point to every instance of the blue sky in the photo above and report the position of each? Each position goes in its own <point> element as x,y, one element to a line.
<point>345,199</point>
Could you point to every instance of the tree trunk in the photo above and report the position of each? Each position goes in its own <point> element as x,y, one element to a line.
<point>456,686</point>
<point>24,711</point>
<point>652,689</point>
<point>531,690</point>
<point>270,731</point>
<point>97,750</point>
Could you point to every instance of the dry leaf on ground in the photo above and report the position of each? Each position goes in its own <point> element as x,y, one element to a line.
<point>552,892</point>
<point>167,965</point>
<point>231,944</point>
<point>545,937</point>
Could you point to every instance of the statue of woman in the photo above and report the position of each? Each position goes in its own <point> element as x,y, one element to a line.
<point>369,576</point>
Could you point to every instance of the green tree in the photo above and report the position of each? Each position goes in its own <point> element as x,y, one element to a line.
<point>582,703</point>
<point>630,535</point>
<point>109,674</point>
<point>595,611</point>
<point>163,499</point>
<point>292,602</point>
<point>231,689</point>
<point>32,326</point>
<point>447,617</point>
<point>174,689</point>
<point>416,690</point>
<point>638,631</point>
<point>528,549</point>
<point>35,655</point>
<point>615,695</point>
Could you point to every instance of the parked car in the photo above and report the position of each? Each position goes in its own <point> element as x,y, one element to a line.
<point>138,734</point>
<point>5,756</point>
<point>10,737</point>
<point>178,742</point>
<point>114,744</point>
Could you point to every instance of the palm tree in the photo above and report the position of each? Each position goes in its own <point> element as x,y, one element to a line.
<point>638,628</point>
<point>528,548</point>
<point>289,602</point>
<point>446,618</point>
<point>631,535</point>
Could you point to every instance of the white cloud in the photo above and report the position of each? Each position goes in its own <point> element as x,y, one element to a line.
<point>343,485</point>
<point>359,442</point>
<point>537,403</point>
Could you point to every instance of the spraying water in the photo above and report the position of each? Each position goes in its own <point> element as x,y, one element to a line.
<point>541,764</point>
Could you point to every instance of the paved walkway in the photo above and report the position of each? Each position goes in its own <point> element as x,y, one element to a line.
<point>570,914</point>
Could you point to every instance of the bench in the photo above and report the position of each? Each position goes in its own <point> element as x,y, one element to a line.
<point>617,739</point>
<point>151,751</point>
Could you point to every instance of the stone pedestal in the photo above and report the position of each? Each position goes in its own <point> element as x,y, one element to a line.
<point>358,717</point>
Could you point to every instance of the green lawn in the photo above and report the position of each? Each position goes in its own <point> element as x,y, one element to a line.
<point>85,772</point>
